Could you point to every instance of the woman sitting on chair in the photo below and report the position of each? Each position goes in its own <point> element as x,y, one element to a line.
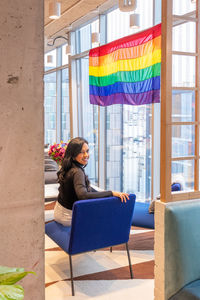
<point>74,184</point>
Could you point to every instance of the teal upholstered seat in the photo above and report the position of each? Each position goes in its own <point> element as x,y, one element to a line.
<point>182,250</point>
<point>189,292</point>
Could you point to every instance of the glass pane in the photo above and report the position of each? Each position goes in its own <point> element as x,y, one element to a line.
<point>50,60</point>
<point>184,37</point>
<point>64,55</point>
<point>65,116</point>
<point>95,28</point>
<point>89,115</point>
<point>50,108</point>
<point>183,106</point>
<point>114,143</point>
<point>137,150</point>
<point>181,7</point>
<point>183,137</point>
<point>183,172</point>
<point>183,71</point>
<point>85,38</point>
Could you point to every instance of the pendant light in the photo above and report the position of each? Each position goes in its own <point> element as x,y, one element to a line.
<point>127,5</point>
<point>134,21</point>
<point>54,9</point>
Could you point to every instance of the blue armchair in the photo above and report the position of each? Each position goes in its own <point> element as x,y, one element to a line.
<point>96,224</point>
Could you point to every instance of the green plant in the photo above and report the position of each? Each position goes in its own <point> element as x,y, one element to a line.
<point>8,277</point>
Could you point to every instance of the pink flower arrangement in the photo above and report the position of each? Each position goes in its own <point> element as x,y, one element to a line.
<point>57,151</point>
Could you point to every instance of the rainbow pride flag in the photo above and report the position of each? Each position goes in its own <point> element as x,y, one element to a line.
<point>127,71</point>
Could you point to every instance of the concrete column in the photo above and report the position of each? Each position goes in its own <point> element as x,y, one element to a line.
<point>21,141</point>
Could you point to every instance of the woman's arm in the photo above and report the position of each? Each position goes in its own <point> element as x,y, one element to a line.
<point>81,189</point>
<point>82,192</point>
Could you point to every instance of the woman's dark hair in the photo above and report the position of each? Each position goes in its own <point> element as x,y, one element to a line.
<point>73,149</point>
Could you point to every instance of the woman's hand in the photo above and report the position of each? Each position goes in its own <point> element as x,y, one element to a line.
<point>122,196</point>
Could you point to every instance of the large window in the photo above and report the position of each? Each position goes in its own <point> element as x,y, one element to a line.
<point>180,101</point>
<point>128,128</point>
<point>119,136</point>
<point>183,94</point>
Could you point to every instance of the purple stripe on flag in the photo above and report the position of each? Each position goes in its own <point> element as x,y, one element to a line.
<point>131,99</point>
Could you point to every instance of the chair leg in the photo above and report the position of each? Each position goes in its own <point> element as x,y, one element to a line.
<point>71,275</point>
<point>110,249</point>
<point>129,261</point>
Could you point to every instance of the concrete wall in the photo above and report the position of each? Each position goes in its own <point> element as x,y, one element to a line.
<point>21,141</point>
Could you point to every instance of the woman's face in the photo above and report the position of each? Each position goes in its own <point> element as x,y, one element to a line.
<point>83,156</point>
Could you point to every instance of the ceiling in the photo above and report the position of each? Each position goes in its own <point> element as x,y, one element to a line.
<point>73,14</point>
<point>76,12</point>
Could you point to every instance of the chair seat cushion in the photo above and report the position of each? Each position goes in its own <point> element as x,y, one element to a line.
<point>59,234</point>
<point>141,215</point>
<point>190,292</point>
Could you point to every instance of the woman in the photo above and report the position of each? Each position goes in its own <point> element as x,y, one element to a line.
<point>74,184</point>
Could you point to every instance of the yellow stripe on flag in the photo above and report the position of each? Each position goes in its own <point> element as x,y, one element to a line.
<point>127,64</point>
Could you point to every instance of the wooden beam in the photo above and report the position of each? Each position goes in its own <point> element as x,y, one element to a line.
<point>166,101</point>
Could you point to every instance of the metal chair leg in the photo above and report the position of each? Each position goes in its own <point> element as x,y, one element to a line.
<point>110,249</point>
<point>71,275</point>
<point>129,260</point>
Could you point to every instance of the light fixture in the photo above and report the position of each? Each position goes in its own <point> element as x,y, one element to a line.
<point>127,5</point>
<point>135,21</point>
<point>193,1</point>
<point>54,9</point>
<point>95,11</point>
<point>69,28</point>
<point>52,41</point>
<point>95,38</point>
<point>68,50</point>
<point>49,59</point>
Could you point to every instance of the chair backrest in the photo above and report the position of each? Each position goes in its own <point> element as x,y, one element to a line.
<point>182,245</point>
<point>100,223</point>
